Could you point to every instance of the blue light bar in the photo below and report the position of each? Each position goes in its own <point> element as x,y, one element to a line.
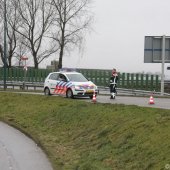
<point>67,69</point>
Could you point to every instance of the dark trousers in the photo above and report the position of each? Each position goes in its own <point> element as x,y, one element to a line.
<point>112,88</point>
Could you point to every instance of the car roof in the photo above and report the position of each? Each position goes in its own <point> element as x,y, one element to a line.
<point>66,72</point>
<point>73,72</point>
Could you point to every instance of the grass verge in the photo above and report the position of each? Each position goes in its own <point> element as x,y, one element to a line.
<point>78,135</point>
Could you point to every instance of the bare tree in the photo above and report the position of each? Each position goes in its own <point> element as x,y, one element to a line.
<point>13,37</point>
<point>73,17</point>
<point>1,53</point>
<point>21,50</point>
<point>12,25</point>
<point>2,30</point>
<point>36,19</point>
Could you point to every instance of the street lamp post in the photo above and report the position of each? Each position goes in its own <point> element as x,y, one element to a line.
<point>5,46</point>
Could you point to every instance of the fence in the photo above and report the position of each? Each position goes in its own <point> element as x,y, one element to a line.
<point>126,80</point>
<point>17,74</point>
<point>99,77</point>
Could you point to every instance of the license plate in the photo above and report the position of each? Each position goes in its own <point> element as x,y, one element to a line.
<point>89,91</point>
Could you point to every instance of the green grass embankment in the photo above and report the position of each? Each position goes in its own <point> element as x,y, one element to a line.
<point>78,135</point>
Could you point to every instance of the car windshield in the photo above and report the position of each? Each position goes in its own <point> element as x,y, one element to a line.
<point>76,78</point>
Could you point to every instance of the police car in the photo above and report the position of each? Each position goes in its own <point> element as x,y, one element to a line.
<point>70,84</point>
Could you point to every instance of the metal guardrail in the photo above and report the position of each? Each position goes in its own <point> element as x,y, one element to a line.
<point>23,85</point>
<point>102,90</point>
<point>131,92</point>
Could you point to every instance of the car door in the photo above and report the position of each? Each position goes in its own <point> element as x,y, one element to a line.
<point>52,81</point>
<point>61,82</point>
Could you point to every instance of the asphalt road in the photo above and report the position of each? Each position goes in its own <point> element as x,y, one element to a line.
<point>18,152</point>
<point>163,103</point>
<point>159,102</point>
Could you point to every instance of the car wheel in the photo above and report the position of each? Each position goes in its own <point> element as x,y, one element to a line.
<point>47,91</point>
<point>69,94</point>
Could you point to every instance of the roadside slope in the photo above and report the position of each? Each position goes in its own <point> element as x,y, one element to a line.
<point>82,135</point>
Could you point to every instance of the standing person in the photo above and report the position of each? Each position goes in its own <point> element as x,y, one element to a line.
<point>113,82</point>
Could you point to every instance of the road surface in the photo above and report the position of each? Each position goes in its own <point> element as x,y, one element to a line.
<point>18,152</point>
<point>160,102</point>
<point>163,103</point>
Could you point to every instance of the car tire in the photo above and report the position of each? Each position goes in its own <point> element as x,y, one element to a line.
<point>47,91</point>
<point>69,94</point>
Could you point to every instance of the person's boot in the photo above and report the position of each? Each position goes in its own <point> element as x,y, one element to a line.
<point>112,96</point>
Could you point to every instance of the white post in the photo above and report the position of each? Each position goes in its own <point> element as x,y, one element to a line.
<point>163,64</point>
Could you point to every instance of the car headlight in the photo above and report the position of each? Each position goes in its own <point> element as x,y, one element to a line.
<point>77,87</point>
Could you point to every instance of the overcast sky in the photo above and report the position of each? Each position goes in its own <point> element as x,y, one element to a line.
<point>118,37</point>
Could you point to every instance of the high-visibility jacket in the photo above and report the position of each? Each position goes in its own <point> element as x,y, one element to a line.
<point>113,79</point>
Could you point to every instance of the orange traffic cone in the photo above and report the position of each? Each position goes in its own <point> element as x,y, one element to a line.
<point>94,98</point>
<point>151,100</point>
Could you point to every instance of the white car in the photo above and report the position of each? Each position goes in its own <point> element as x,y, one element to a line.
<point>70,84</point>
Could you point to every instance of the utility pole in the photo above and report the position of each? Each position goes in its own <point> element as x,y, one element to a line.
<point>5,46</point>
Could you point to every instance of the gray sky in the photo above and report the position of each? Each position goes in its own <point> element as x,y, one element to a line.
<point>118,40</point>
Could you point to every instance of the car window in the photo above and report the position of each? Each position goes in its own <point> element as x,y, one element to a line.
<point>76,78</point>
<point>54,76</point>
<point>62,77</point>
